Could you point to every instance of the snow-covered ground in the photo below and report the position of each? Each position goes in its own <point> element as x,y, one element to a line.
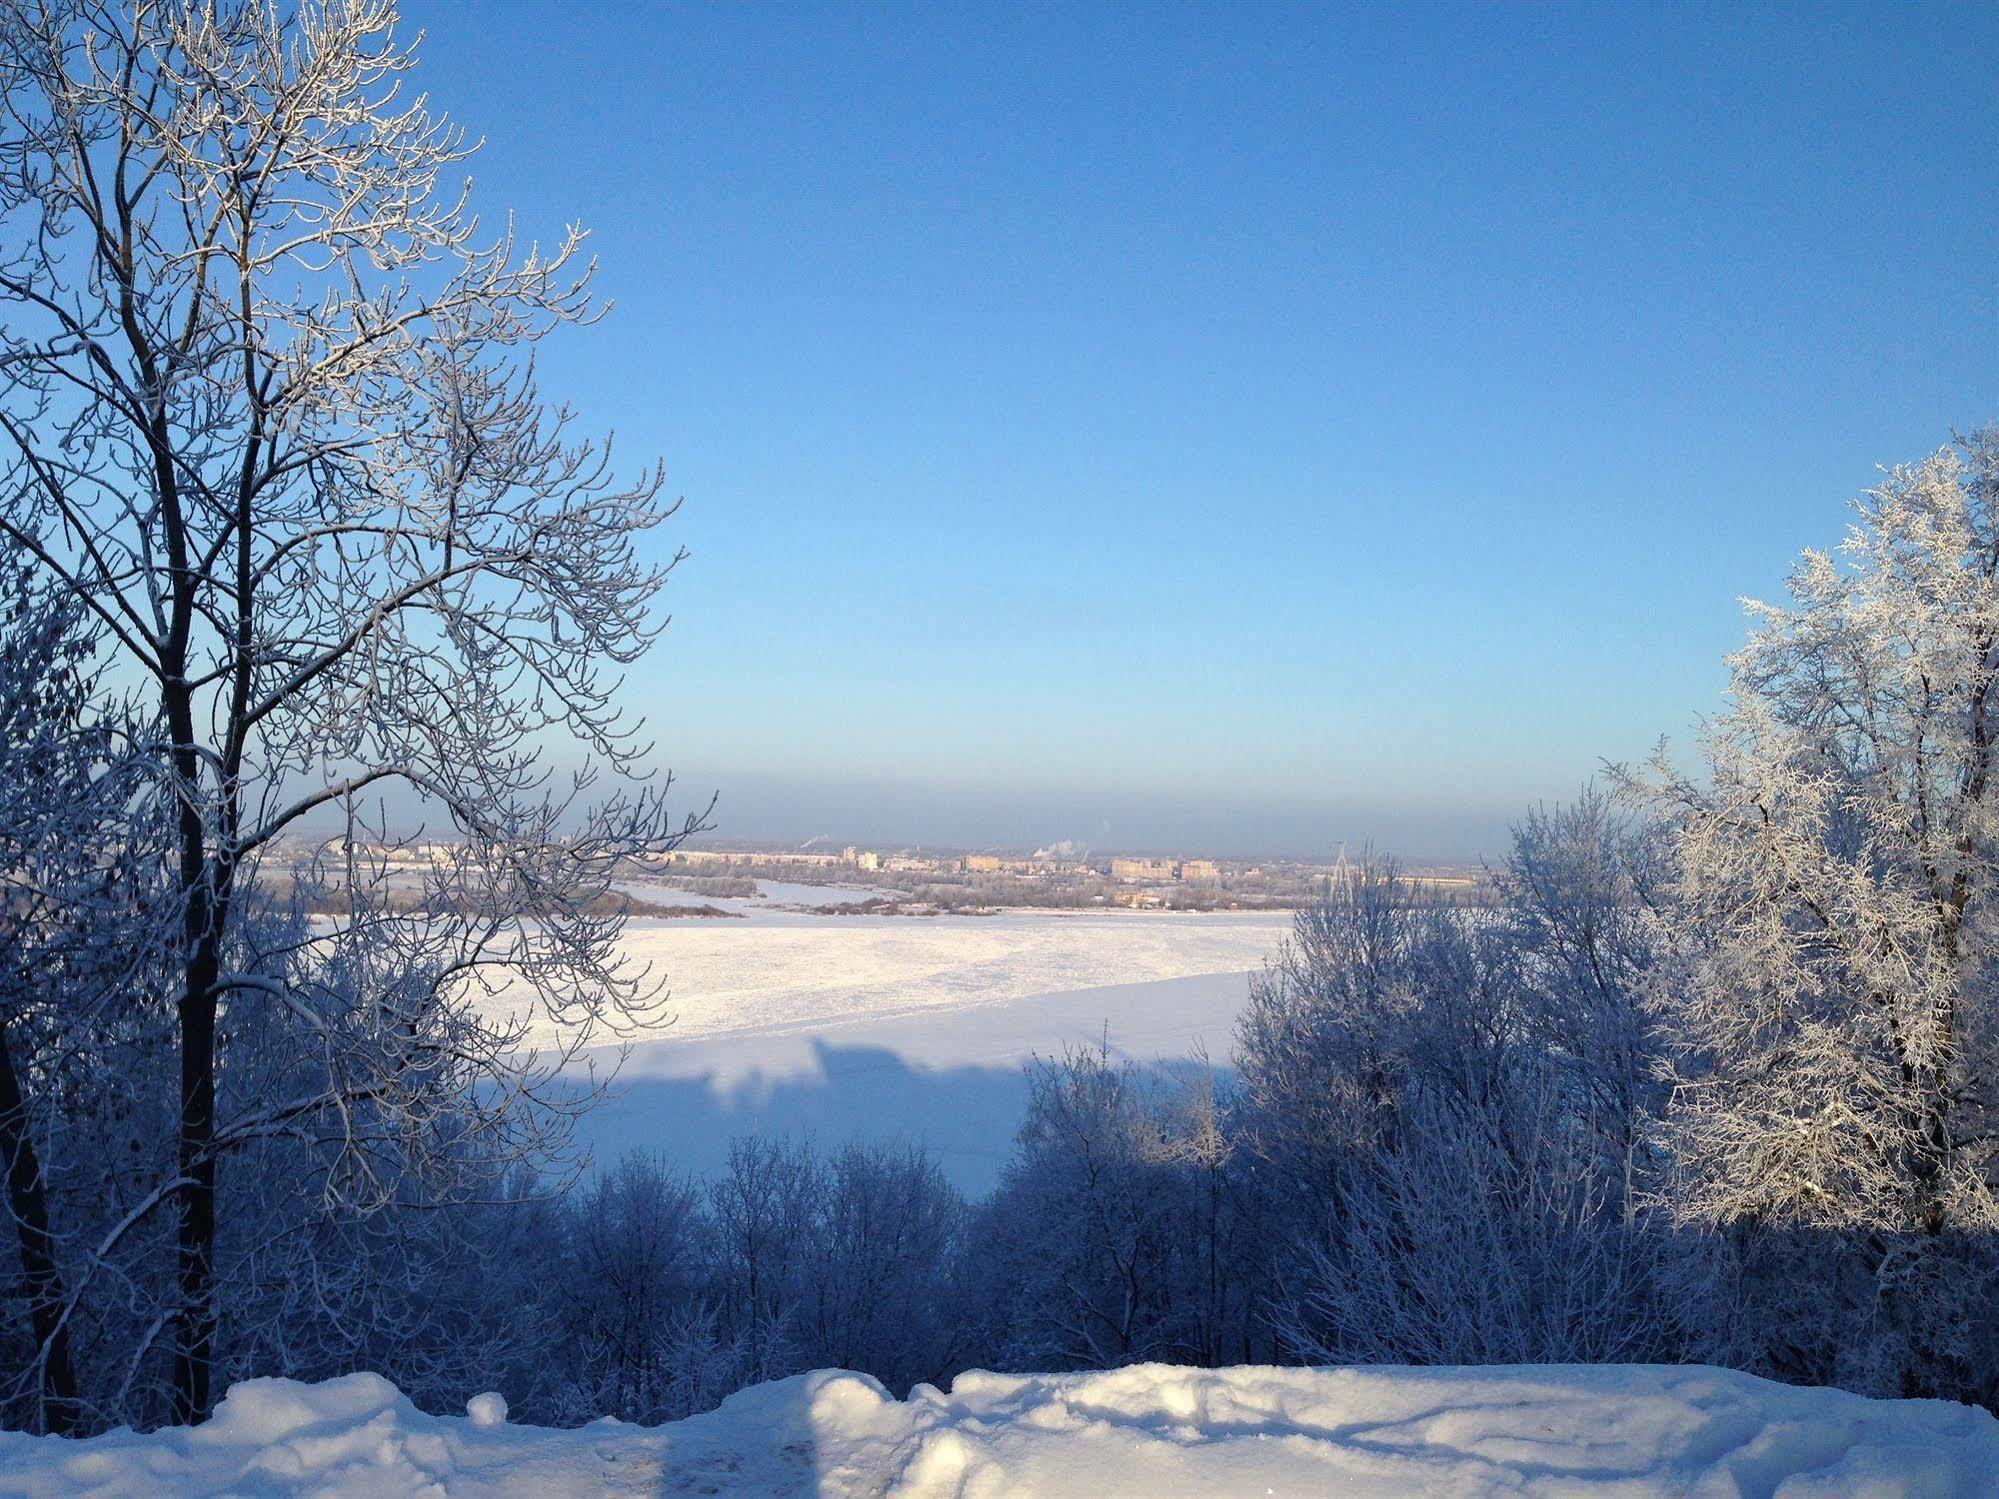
<point>1149,1431</point>
<point>905,1027</point>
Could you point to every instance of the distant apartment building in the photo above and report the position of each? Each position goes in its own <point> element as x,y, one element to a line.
<point>1141,869</point>
<point>1199,871</point>
<point>867,858</point>
<point>697,856</point>
<point>982,863</point>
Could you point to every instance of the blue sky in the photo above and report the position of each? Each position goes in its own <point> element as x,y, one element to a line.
<point>1245,427</point>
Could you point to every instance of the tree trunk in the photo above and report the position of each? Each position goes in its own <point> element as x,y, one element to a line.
<point>202,917</point>
<point>194,1352</point>
<point>27,1197</point>
<point>204,893</point>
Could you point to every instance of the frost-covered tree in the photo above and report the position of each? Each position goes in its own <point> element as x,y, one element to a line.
<point>654,1298</point>
<point>1439,1140</point>
<point>1579,893</point>
<point>1102,1244</point>
<point>763,1210</point>
<point>877,1287</point>
<point>1334,1021</point>
<point>73,975</point>
<point>1839,1090</point>
<point>1453,1247</point>
<point>264,415</point>
<point>635,1269</point>
<point>1230,1246</point>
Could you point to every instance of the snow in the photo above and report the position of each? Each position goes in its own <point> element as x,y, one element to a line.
<point>903,1027</point>
<point>1150,1430</point>
<point>950,1079</point>
<point>784,968</point>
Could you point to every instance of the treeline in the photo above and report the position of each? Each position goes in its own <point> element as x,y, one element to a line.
<point>420,900</point>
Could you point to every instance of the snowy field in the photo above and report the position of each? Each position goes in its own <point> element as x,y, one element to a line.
<point>871,1027</point>
<point>1150,1432</point>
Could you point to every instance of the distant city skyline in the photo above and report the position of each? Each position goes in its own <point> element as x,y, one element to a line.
<point>899,815</point>
<point>1240,428</point>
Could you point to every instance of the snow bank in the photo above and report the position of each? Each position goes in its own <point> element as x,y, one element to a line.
<point>1152,1430</point>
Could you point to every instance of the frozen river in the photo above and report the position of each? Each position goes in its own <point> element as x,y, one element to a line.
<point>873,1026</point>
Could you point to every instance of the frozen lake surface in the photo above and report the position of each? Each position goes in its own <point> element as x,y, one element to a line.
<point>906,1027</point>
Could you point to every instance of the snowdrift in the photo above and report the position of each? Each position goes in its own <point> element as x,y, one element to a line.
<point>1152,1431</point>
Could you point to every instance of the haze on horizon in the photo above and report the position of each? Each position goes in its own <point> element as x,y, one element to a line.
<point>756,810</point>
<point>1226,428</point>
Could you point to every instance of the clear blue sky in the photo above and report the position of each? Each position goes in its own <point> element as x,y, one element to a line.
<point>1239,426</point>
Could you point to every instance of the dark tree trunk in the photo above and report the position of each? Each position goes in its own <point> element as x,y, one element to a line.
<point>203,891</point>
<point>27,1197</point>
<point>194,1352</point>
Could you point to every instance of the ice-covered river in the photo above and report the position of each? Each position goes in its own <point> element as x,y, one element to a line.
<point>872,1026</point>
